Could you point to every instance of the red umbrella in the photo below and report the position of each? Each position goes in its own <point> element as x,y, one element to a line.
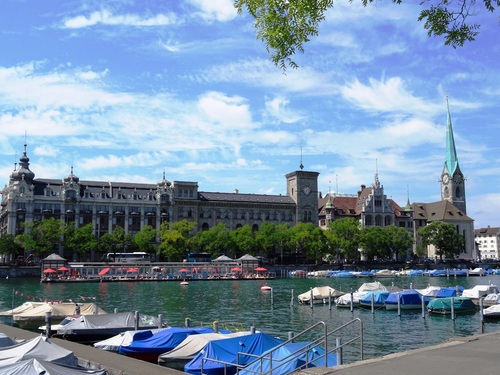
<point>236,269</point>
<point>103,271</point>
<point>260,269</point>
<point>63,269</point>
<point>183,270</point>
<point>49,270</point>
<point>133,270</point>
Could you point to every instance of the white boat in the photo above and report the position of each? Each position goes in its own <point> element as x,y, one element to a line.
<point>30,315</point>
<point>492,312</point>
<point>320,294</point>
<point>479,291</point>
<point>385,273</point>
<point>39,366</point>
<point>477,272</point>
<point>124,339</point>
<point>430,291</point>
<point>345,300</point>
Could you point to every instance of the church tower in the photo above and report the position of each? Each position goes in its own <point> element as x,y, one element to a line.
<point>452,180</point>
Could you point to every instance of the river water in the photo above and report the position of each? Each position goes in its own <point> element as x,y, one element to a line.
<point>240,304</point>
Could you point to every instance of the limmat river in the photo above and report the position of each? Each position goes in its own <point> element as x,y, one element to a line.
<point>240,304</point>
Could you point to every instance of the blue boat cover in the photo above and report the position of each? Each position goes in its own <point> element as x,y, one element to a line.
<point>408,297</point>
<point>227,350</point>
<point>162,341</point>
<point>284,361</point>
<point>378,298</point>
<point>449,292</point>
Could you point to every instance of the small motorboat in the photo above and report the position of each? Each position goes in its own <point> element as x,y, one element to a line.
<point>492,312</point>
<point>461,305</point>
<point>319,294</point>
<point>184,282</point>
<point>265,287</point>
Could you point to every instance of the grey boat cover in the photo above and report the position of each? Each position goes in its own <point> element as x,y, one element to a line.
<point>370,287</point>
<point>37,366</point>
<point>6,341</point>
<point>124,338</point>
<point>109,321</point>
<point>193,344</point>
<point>39,347</point>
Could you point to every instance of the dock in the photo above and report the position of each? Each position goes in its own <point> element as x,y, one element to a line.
<point>461,355</point>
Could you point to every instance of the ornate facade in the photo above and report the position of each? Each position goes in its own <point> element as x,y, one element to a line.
<point>107,204</point>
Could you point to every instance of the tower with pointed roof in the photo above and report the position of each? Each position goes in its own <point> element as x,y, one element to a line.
<point>452,180</point>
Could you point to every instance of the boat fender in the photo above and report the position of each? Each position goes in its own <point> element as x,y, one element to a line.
<point>187,322</point>
<point>215,326</point>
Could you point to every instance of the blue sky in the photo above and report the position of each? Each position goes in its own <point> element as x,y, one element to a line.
<point>124,90</point>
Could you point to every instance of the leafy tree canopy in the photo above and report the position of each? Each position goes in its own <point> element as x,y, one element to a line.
<point>444,237</point>
<point>284,26</point>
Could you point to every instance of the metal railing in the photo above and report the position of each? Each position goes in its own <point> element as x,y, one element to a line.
<point>308,354</point>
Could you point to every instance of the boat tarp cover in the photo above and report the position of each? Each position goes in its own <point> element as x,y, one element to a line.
<point>430,291</point>
<point>109,321</point>
<point>492,311</point>
<point>6,341</point>
<point>289,358</point>
<point>37,311</point>
<point>479,291</point>
<point>319,293</point>
<point>193,344</point>
<point>227,351</point>
<point>37,366</point>
<point>345,300</point>
<point>444,304</point>
<point>371,287</point>
<point>162,341</point>
<point>123,339</point>
<point>407,297</point>
<point>39,347</point>
<point>378,298</point>
<point>447,292</point>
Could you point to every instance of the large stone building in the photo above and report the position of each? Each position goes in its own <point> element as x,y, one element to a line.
<point>488,242</point>
<point>107,204</point>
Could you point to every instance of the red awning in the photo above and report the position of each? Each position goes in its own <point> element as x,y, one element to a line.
<point>103,271</point>
<point>49,270</point>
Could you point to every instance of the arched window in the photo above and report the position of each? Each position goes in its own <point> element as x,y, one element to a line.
<point>378,221</point>
<point>446,192</point>
<point>457,192</point>
<point>387,221</point>
<point>368,220</point>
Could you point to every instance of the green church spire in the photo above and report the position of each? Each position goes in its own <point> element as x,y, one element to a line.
<point>451,153</point>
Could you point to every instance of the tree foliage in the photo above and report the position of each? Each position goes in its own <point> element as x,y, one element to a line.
<point>41,237</point>
<point>8,245</point>
<point>345,237</point>
<point>444,237</point>
<point>81,240</point>
<point>144,240</point>
<point>284,26</point>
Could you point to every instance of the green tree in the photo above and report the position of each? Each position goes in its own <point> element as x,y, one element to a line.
<point>41,236</point>
<point>144,240</point>
<point>303,241</point>
<point>345,236</point>
<point>444,237</point>
<point>80,240</point>
<point>8,245</point>
<point>284,26</point>
<point>399,240</point>
<point>243,240</point>
<point>174,240</point>
<point>375,242</point>
<point>266,239</point>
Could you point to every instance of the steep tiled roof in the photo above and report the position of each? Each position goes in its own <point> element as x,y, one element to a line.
<point>487,231</point>
<point>241,198</point>
<point>439,211</point>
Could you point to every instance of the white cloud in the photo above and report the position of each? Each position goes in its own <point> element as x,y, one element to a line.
<point>218,10</point>
<point>277,107</point>
<point>105,17</point>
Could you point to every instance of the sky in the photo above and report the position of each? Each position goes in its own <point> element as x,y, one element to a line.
<point>126,90</point>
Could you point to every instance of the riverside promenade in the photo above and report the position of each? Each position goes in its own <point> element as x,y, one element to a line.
<point>462,355</point>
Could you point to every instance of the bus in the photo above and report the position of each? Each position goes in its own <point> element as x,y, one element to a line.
<point>199,257</point>
<point>133,257</point>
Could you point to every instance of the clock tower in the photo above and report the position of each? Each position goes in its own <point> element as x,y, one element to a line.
<point>452,180</point>
<point>302,187</point>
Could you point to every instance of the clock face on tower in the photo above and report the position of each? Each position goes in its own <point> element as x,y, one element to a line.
<point>307,190</point>
<point>446,178</point>
<point>460,178</point>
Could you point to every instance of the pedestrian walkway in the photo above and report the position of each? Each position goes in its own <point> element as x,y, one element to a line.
<point>460,356</point>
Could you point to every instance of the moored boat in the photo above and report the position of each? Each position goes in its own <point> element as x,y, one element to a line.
<point>374,299</point>
<point>320,294</point>
<point>408,299</point>
<point>443,306</point>
<point>492,312</point>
